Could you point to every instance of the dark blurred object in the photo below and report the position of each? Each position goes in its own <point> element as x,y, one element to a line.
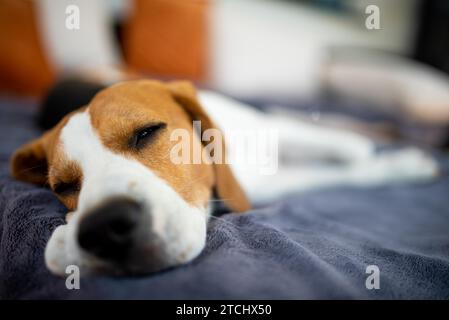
<point>24,68</point>
<point>432,44</point>
<point>64,97</point>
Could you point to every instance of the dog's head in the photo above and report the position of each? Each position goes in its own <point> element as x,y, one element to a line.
<point>132,209</point>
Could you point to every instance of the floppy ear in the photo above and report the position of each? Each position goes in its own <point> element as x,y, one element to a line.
<point>29,163</point>
<point>226,186</point>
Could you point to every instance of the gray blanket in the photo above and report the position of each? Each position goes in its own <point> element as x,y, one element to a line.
<point>308,246</point>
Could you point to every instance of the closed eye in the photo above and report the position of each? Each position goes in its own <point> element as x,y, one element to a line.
<point>142,136</point>
<point>66,189</point>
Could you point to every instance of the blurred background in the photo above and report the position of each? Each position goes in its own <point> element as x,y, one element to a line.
<point>315,58</point>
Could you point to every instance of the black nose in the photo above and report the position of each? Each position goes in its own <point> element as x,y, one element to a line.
<point>109,230</point>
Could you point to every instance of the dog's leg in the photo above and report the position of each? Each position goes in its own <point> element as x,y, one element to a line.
<point>403,166</point>
<point>299,140</point>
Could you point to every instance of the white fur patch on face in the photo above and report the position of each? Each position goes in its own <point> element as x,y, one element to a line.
<point>179,228</point>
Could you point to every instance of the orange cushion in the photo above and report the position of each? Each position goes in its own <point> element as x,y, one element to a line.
<point>167,38</point>
<point>23,66</point>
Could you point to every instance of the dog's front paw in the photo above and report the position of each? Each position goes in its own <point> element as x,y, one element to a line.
<point>55,253</point>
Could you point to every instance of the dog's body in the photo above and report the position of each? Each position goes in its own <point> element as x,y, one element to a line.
<point>301,145</point>
<point>133,210</point>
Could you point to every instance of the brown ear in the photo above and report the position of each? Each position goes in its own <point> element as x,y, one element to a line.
<point>29,163</point>
<point>226,186</point>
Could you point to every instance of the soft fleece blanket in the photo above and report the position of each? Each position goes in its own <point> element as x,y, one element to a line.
<point>308,246</point>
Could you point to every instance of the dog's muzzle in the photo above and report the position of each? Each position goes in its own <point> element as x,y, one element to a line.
<point>127,229</point>
<point>111,231</point>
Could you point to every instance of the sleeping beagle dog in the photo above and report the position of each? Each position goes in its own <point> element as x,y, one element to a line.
<point>132,210</point>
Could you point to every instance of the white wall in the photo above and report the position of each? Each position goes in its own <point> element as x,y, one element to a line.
<point>268,47</point>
